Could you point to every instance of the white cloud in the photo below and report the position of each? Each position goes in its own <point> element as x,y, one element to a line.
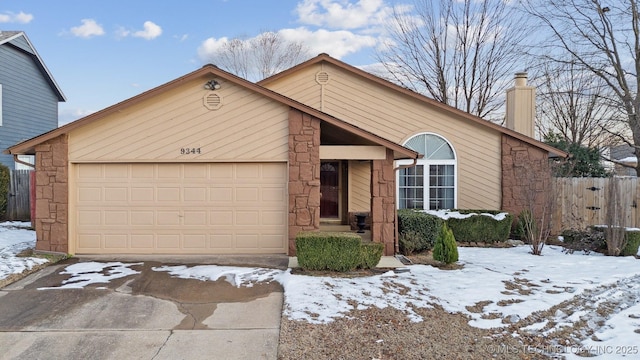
<point>88,29</point>
<point>343,14</point>
<point>21,17</point>
<point>210,46</point>
<point>150,32</point>
<point>335,43</point>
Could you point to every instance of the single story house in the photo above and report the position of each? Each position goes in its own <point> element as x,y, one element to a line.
<point>210,163</point>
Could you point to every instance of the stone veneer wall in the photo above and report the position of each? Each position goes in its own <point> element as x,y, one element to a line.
<point>383,203</point>
<point>526,177</point>
<point>52,201</point>
<point>304,175</point>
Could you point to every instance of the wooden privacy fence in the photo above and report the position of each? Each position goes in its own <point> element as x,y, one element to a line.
<point>580,202</point>
<point>18,204</point>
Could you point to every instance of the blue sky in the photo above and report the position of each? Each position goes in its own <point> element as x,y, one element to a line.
<point>103,52</point>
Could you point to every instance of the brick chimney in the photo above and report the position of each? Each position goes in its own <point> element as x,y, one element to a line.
<point>521,106</point>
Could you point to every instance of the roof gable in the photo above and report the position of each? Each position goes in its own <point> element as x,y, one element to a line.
<point>324,58</point>
<point>19,40</point>
<point>212,71</point>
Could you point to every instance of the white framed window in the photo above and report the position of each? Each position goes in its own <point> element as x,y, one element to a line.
<point>431,184</point>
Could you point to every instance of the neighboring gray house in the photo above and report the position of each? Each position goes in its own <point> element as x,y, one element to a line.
<point>29,95</point>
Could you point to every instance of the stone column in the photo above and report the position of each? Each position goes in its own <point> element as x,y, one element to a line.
<point>52,200</point>
<point>526,177</point>
<point>304,175</point>
<point>383,203</point>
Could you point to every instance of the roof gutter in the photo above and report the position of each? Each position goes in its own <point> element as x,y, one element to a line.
<point>15,158</point>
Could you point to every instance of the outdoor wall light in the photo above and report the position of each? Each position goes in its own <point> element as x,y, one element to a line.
<point>212,85</point>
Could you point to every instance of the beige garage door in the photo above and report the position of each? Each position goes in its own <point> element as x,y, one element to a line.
<point>180,208</point>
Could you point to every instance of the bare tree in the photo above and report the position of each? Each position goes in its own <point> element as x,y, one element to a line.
<point>575,104</point>
<point>460,52</point>
<point>535,221</point>
<point>603,39</point>
<point>258,57</point>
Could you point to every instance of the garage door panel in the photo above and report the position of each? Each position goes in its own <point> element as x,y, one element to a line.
<point>247,194</point>
<point>89,194</point>
<point>247,241</point>
<point>117,194</point>
<point>142,217</point>
<point>195,194</point>
<point>142,241</point>
<point>116,241</point>
<point>222,195</point>
<point>168,194</point>
<point>90,218</point>
<point>181,208</point>
<point>117,171</point>
<point>168,241</point>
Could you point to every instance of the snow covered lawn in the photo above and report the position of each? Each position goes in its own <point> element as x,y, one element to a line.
<point>14,238</point>
<point>567,303</point>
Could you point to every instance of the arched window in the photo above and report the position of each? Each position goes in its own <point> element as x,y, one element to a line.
<point>431,184</point>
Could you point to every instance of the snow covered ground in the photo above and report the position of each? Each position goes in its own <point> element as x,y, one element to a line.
<point>14,238</point>
<point>576,302</point>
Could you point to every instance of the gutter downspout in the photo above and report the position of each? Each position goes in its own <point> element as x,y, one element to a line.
<point>15,158</point>
<point>396,241</point>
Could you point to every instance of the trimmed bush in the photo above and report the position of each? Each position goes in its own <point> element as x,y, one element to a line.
<point>370,254</point>
<point>425,228</point>
<point>4,190</point>
<point>633,242</point>
<point>409,242</point>
<point>445,249</point>
<point>480,228</point>
<point>525,217</point>
<point>336,251</point>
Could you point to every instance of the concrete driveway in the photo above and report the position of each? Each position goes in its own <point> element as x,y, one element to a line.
<point>149,315</point>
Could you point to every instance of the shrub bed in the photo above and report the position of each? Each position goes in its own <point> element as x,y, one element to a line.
<point>593,239</point>
<point>336,251</point>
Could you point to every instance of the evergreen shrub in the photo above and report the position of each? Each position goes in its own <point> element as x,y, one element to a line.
<point>445,249</point>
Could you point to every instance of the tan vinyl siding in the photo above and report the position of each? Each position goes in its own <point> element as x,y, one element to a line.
<point>303,84</point>
<point>248,127</point>
<point>359,186</point>
<point>398,117</point>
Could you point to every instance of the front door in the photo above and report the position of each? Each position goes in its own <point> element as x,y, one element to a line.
<point>329,189</point>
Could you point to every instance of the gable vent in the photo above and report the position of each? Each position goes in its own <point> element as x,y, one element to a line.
<point>322,77</point>
<point>213,101</point>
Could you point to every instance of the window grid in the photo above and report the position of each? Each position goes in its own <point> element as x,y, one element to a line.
<point>436,188</point>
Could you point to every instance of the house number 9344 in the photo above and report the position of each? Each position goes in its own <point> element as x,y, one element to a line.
<point>187,150</point>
